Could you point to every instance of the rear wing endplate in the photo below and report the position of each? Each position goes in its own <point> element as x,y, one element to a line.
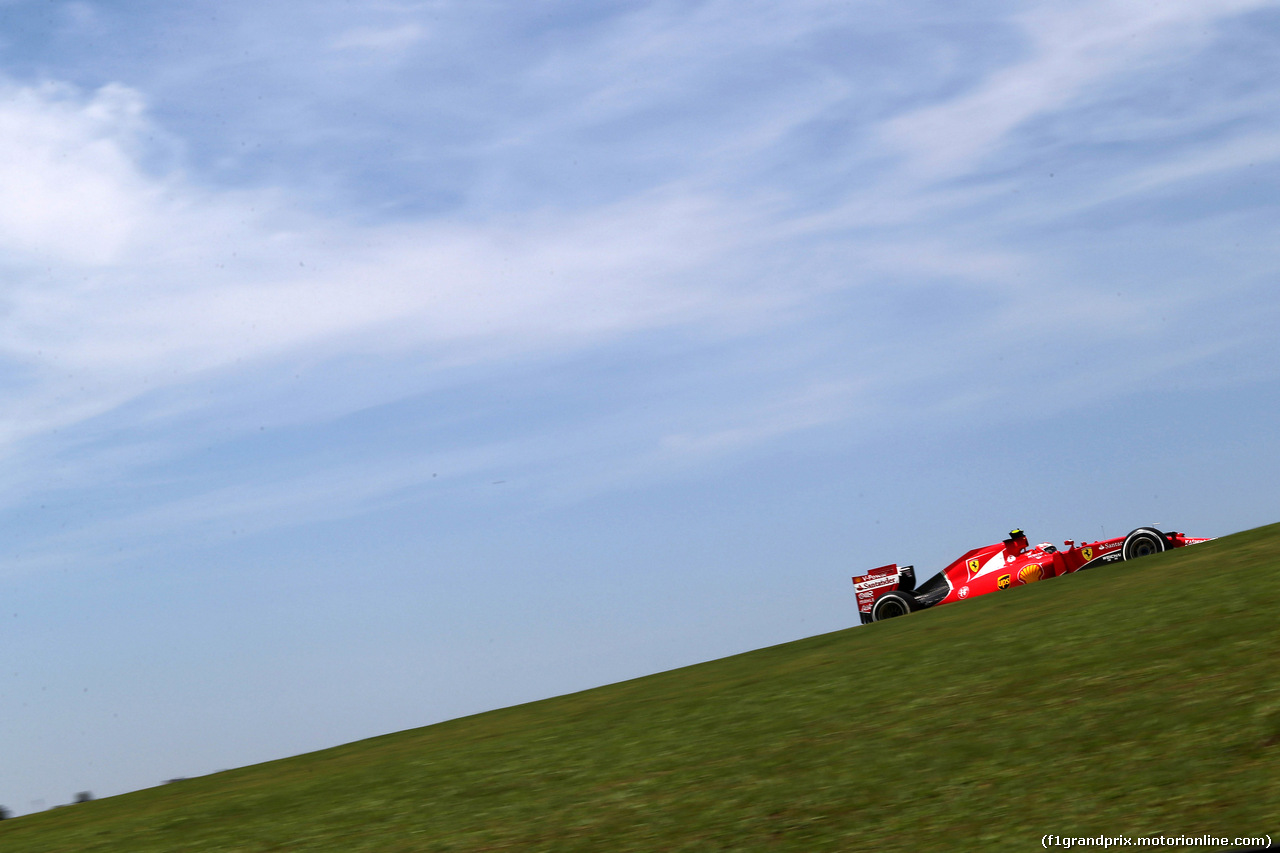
<point>880,580</point>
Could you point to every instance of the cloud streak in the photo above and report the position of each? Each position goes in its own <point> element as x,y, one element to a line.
<point>1068,52</point>
<point>128,283</point>
<point>153,282</point>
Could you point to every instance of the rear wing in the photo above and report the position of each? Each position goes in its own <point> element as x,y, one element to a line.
<point>878,581</point>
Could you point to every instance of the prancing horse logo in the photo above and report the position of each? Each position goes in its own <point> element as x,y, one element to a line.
<point>974,565</point>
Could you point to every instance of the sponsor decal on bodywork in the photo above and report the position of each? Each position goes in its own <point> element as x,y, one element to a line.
<point>963,592</point>
<point>877,582</point>
<point>1087,553</point>
<point>1002,582</point>
<point>1029,573</point>
<point>1104,559</point>
<point>974,566</point>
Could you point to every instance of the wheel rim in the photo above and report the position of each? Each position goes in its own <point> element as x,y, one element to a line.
<point>1143,545</point>
<point>892,608</point>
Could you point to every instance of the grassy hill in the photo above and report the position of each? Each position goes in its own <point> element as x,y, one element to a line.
<point>1137,699</point>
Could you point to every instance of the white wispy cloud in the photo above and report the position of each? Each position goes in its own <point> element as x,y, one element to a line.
<point>73,192</point>
<point>125,283</point>
<point>122,283</point>
<point>1068,50</point>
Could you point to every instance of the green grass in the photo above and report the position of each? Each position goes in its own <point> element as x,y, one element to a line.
<point>1137,699</point>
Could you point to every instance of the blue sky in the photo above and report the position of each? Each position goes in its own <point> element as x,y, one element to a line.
<point>382,363</point>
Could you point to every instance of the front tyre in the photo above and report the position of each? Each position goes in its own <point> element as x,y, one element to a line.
<point>892,604</point>
<point>1143,542</point>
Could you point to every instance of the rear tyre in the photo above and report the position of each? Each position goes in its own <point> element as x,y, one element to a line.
<point>1143,542</point>
<point>892,604</point>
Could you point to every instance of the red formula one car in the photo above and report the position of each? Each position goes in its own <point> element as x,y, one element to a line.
<point>891,591</point>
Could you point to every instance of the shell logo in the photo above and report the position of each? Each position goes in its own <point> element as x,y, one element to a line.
<point>1002,582</point>
<point>963,592</point>
<point>1029,573</point>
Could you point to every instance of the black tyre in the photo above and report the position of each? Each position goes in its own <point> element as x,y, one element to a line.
<point>892,604</point>
<point>1143,542</point>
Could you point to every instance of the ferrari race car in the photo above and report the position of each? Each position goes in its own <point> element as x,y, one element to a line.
<point>890,591</point>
